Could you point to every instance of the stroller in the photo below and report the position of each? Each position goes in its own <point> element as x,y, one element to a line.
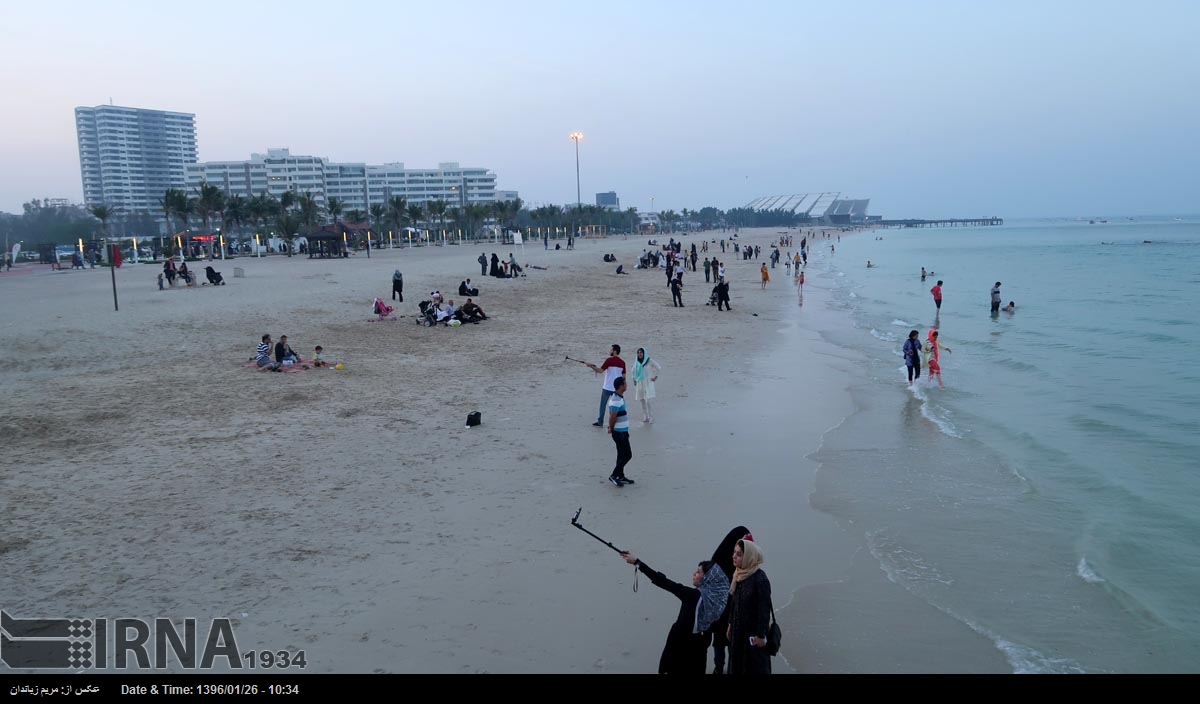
<point>214,276</point>
<point>383,310</point>
<point>712,299</point>
<point>428,316</point>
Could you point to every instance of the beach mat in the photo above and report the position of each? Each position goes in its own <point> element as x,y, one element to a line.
<point>301,367</point>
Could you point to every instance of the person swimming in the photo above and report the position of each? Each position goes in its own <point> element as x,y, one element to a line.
<point>1010,308</point>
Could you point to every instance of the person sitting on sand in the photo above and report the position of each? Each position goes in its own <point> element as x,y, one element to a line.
<point>440,314</point>
<point>621,269</point>
<point>451,310</point>
<point>318,358</point>
<point>263,357</point>
<point>1010,308</point>
<point>472,313</point>
<point>284,351</point>
<point>466,289</point>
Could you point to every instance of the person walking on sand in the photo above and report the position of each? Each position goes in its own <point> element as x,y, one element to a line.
<point>643,381</point>
<point>750,612</point>
<point>937,295</point>
<point>618,428</point>
<point>700,605</point>
<point>996,298</point>
<point>933,357</point>
<point>912,356</point>
<point>707,270</point>
<point>765,274</point>
<point>612,368</point>
<point>800,282</point>
<point>677,291</point>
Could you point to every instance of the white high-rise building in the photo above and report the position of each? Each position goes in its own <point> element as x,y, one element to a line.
<point>129,157</point>
<point>357,185</point>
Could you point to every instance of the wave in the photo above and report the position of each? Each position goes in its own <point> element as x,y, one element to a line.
<point>1085,572</point>
<point>908,570</point>
<point>901,323</point>
<point>934,414</point>
<point>885,336</point>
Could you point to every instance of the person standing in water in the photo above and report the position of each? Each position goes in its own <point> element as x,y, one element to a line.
<point>996,298</point>
<point>643,381</point>
<point>937,295</point>
<point>933,357</point>
<point>912,356</point>
<point>922,273</point>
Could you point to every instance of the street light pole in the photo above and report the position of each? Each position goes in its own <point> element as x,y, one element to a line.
<point>575,137</point>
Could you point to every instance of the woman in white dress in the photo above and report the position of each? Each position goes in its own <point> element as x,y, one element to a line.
<point>643,381</point>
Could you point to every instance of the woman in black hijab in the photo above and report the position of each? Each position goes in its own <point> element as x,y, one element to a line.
<point>700,605</point>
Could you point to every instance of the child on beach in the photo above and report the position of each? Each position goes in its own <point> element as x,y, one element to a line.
<point>766,276</point>
<point>933,357</point>
<point>160,282</point>
<point>318,359</point>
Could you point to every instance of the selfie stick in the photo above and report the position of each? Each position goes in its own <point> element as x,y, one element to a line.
<point>575,522</point>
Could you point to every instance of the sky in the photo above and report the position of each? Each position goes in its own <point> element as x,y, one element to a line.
<point>930,109</point>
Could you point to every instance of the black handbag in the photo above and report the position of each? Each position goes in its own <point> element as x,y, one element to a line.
<point>774,636</point>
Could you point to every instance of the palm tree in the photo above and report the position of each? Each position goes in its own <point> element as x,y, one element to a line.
<point>210,202</point>
<point>334,207</point>
<point>378,215</point>
<point>476,213</point>
<point>356,216</point>
<point>288,227</point>
<point>167,203</point>
<point>102,213</point>
<point>182,207</point>
<point>437,209</point>
<point>310,210</point>
<point>397,207</point>
<point>237,210</point>
<point>415,212</point>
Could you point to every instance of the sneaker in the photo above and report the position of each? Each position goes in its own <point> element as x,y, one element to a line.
<point>626,480</point>
<point>615,481</point>
<point>598,424</point>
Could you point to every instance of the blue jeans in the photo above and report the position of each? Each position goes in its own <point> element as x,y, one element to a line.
<point>604,396</point>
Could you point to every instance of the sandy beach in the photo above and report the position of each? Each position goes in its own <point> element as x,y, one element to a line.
<point>148,473</point>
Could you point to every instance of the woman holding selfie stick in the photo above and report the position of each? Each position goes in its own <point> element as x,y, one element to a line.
<point>700,605</point>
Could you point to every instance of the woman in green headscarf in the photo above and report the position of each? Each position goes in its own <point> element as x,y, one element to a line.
<point>643,381</point>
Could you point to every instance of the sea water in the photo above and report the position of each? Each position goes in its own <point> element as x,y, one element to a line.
<point>1049,496</point>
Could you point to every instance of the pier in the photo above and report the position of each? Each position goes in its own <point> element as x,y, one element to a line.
<point>952,222</point>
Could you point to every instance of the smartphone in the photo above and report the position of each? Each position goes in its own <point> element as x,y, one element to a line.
<point>752,641</point>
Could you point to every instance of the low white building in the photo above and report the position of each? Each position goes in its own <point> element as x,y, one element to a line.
<point>358,186</point>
